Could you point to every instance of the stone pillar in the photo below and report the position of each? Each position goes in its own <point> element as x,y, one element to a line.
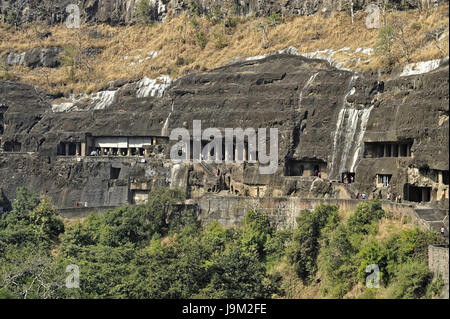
<point>424,194</point>
<point>385,150</point>
<point>77,149</point>
<point>392,150</point>
<point>399,150</point>
<point>440,178</point>
<point>102,151</point>
<point>245,152</point>
<point>83,149</point>
<point>408,150</point>
<point>226,153</point>
<point>153,140</point>
<point>129,152</point>
<point>67,149</point>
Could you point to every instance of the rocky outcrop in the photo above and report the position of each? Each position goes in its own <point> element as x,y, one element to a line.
<point>326,118</point>
<point>36,57</point>
<point>123,11</point>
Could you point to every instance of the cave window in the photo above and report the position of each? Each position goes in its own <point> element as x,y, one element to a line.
<point>395,153</point>
<point>388,150</point>
<point>12,147</point>
<point>316,170</point>
<point>403,150</point>
<point>115,172</point>
<point>350,177</point>
<point>445,177</point>
<point>417,194</point>
<point>384,179</point>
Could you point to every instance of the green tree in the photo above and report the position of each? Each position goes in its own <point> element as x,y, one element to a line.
<point>365,218</point>
<point>147,11</point>
<point>412,281</point>
<point>305,243</point>
<point>338,264</point>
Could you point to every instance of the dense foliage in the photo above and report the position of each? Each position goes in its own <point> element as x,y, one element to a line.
<point>160,250</point>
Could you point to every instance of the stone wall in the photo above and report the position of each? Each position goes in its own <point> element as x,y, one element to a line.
<point>231,210</point>
<point>438,264</point>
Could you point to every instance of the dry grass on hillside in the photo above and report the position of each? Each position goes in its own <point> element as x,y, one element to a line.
<point>184,44</point>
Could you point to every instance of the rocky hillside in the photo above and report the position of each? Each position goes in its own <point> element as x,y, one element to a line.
<point>110,47</point>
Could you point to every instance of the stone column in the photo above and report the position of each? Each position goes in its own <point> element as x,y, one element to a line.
<point>153,140</point>
<point>392,150</point>
<point>424,194</point>
<point>245,152</point>
<point>440,178</point>
<point>67,149</point>
<point>129,152</point>
<point>399,150</point>
<point>83,149</point>
<point>385,150</point>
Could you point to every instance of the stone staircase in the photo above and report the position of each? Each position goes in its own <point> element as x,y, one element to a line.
<point>208,168</point>
<point>434,218</point>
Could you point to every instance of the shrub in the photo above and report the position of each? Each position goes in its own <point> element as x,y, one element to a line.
<point>32,221</point>
<point>405,246</point>
<point>305,244</point>
<point>412,281</point>
<point>274,19</point>
<point>338,264</point>
<point>220,40</point>
<point>255,232</point>
<point>371,253</point>
<point>365,218</point>
<point>147,11</point>
<point>201,39</point>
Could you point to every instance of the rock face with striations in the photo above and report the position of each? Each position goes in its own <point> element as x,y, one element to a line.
<point>385,136</point>
<point>116,12</point>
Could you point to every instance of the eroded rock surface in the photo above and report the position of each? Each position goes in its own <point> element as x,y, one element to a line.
<point>329,120</point>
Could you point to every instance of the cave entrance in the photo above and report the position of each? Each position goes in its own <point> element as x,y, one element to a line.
<point>416,194</point>
<point>305,168</point>
<point>12,146</point>
<point>445,177</point>
<point>348,177</point>
<point>114,172</point>
<point>1,124</point>
<point>383,180</point>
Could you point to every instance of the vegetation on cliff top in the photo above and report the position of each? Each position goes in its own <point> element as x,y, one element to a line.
<point>95,55</point>
<point>156,251</point>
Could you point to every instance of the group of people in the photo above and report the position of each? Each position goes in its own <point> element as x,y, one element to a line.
<point>390,197</point>
<point>107,152</point>
<point>361,196</point>
<point>348,180</point>
<point>394,198</point>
